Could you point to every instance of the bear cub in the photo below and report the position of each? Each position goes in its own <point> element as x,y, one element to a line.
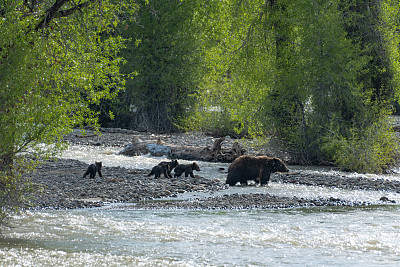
<point>187,169</point>
<point>165,168</point>
<point>158,170</point>
<point>171,165</point>
<point>258,169</point>
<point>93,169</point>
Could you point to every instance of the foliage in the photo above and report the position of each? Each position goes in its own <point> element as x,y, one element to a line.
<point>373,149</point>
<point>14,188</point>
<point>318,85</point>
<point>56,58</point>
<point>390,33</point>
<point>303,70</point>
<point>363,24</point>
<point>163,56</point>
<point>240,71</point>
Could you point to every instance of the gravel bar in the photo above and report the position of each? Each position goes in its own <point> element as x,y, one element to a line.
<point>61,186</point>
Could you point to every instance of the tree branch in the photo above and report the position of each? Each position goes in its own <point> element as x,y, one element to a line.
<point>55,12</point>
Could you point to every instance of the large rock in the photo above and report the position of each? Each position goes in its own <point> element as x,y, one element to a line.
<point>158,150</point>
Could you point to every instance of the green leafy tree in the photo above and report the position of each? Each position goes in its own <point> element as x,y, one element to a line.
<point>240,70</point>
<point>56,58</point>
<point>390,32</point>
<point>163,55</point>
<point>329,86</point>
<point>365,26</point>
<point>318,74</point>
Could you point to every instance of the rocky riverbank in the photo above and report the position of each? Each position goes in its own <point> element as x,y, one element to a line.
<point>63,187</point>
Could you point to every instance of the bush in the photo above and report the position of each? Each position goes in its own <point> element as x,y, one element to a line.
<point>371,150</point>
<point>217,123</point>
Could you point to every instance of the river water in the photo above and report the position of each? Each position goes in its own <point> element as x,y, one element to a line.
<point>118,236</point>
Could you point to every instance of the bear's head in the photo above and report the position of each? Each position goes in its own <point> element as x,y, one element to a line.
<point>98,164</point>
<point>174,163</point>
<point>195,166</point>
<point>278,165</point>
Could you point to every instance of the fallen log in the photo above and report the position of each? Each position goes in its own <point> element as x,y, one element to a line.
<point>156,148</point>
<point>139,147</point>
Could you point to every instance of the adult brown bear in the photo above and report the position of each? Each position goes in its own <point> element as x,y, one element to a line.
<point>246,168</point>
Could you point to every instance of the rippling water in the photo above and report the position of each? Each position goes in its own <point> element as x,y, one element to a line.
<point>116,236</point>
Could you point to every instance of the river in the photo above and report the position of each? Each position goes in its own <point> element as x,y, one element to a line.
<point>118,236</point>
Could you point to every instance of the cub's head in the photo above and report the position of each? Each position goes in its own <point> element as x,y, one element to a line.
<point>195,166</point>
<point>278,165</point>
<point>98,164</point>
<point>174,163</point>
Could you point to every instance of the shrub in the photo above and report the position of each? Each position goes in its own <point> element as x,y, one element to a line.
<point>371,150</point>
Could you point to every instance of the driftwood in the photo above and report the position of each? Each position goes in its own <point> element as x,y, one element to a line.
<point>85,136</point>
<point>139,147</point>
<point>156,148</point>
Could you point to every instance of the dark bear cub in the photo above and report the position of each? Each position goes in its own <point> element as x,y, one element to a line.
<point>187,169</point>
<point>171,165</point>
<point>158,170</point>
<point>93,168</point>
<point>258,169</point>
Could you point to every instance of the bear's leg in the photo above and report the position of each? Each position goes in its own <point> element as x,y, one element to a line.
<point>165,172</point>
<point>169,174</point>
<point>178,173</point>
<point>265,178</point>
<point>232,183</point>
